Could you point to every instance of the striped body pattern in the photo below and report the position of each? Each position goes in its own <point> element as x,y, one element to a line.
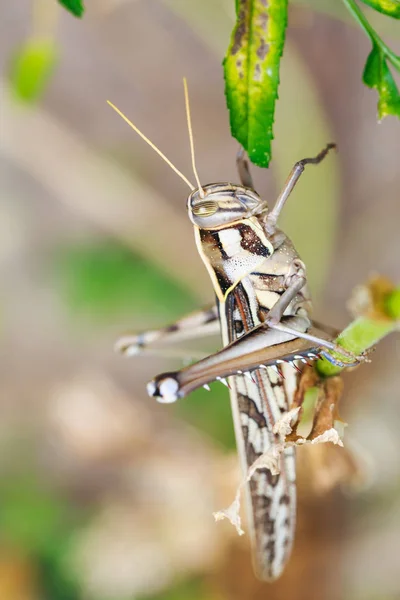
<point>239,252</point>
<point>257,406</point>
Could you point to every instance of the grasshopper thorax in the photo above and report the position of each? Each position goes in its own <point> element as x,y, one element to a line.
<point>219,204</point>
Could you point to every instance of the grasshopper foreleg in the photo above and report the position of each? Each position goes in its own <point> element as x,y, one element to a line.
<point>291,181</point>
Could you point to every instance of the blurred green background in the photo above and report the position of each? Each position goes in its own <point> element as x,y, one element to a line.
<point>105,495</point>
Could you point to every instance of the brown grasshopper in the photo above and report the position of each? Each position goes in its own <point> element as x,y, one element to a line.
<point>263,313</point>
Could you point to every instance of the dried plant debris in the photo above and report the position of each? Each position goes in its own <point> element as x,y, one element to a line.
<point>326,426</point>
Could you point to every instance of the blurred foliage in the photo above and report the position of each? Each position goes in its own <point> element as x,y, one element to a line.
<point>193,589</point>
<point>376,72</point>
<point>392,304</point>
<point>210,412</point>
<point>391,8</point>
<point>32,68</point>
<point>30,515</point>
<point>39,523</point>
<point>105,279</point>
<point>251,69</point>
<point>76,7</point>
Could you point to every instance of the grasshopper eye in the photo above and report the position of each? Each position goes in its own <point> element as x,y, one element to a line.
<point>205,209</point>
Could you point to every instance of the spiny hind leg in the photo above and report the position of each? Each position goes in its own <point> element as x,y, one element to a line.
<point>292,340</point>
<point>259,348</point>
<point>197,324</point>
<point>348,358</point>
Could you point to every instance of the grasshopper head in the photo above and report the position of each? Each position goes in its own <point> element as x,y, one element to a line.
<point>219,204</point>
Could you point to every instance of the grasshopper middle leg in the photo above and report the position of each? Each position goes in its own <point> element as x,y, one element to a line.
<point>197,324</point>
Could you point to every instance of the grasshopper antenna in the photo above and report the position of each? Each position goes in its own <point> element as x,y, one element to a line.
<point>150,143</point>
<point>189,124</point>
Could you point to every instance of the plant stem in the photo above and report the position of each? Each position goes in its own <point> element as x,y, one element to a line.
<point>365,332</point>
<point>374,37</point>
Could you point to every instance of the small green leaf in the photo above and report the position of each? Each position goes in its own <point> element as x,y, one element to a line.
<point>32,68</point>
<point>391,8</point>
<point>251,70</point>
<point>76,7</point>
<point>376,72</point>
<point>378,76</point>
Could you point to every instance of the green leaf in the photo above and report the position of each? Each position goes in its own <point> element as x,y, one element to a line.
<point>376,72</point>
<point>31,69</point>
<point>104,279</point>
<point>76,7</point>
<point>391,8</point>
<point>378,76</point>
<point>251,70</point>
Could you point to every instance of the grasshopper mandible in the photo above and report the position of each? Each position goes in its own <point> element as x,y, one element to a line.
<point>263,312</point>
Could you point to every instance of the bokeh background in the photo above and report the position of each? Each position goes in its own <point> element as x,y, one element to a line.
<point>105,495</point>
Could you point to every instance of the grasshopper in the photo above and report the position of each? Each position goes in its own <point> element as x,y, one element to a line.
<point>262,310</point>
